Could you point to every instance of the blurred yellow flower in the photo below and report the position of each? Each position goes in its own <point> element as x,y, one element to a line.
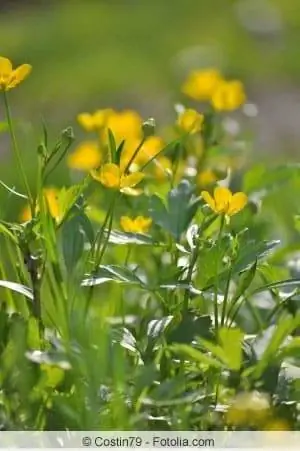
<point>94,121</point>
<point>162,166</point>
<point>151,147</point>
<point>125,125</point>
<point>51,197</point>
<point>111,176</point>
<point>224,202</point>
<point>206,177</point>
<point>140,224</point>
<point>85,157</point>
<point>190,121</point>
<point>251,408</point>
<point>201,84</point>
<point>9,77</point>
<point>277,424</point>
<point>228,96</point>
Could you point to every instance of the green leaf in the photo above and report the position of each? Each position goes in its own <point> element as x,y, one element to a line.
<point>289,283</point>
<point>17,288</point>
<point>292,349</point>
<point>158,327</point>
<point>245,281</point>
<point>5,231</point>
<point>158,212</point>
<point>195,355</point>
<point>189,327</point>
<point>49,358</point>
<point>123,238</point>
<point>270,343</point>
<point>108,273</point>
<point>231,343</point>
<point>67,197</point>
<point>181,209</point>
<point>13,191</point>
<point>249,253</point>
<point>112,144</point>
<point>261,177</point>
<point>125,338</point>
<point>72,242</point>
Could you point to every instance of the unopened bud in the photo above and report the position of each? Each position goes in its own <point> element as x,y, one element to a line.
<point>149,127</point>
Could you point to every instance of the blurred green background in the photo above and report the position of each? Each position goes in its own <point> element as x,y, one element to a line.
<point>135,54</point>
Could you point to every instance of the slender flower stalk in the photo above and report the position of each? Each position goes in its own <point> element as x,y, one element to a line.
<point>17,151</point>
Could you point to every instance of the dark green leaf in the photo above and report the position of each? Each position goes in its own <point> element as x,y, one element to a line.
<point>114,273</point>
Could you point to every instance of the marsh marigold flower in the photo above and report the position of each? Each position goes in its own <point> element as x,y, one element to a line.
<point>190,121</point>
<point>140,224</point>
<point>111,176</point>
<point>85,157</point>
<point>224,202</point>
<point>228,96</point>
<point>94,121</point>
<point>201,84</point>
<point>206,177</point>
<point>9,77</point>
<point>251,408</point>
<point>51,197</point>
<point>125,125</point>
<point>150,148</point>
<point>162,167</point>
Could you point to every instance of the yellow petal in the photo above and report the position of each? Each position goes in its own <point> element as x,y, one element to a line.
<point>206,177</point>
<point>209,200</point>
<point>126,224</point>
<point>131,191</point>
<point>25,214</point>
<point>51,195</point>
<point>5,67</point>
<point>222,197</point>
<point>129,181</point>
<point>85,157</point>
<point>142,224</point>
<point>238,202</point>
<point>19,75</point>
<point>190,121</point>
<point>86,121</point>
<point>110,175</point>
<point>201,84</point>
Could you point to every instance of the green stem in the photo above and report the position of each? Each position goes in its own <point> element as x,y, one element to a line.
<point>97,254</point>
<point>216,310</point>
<point>134,155</point>
<point>225,301</point>
<point>17,151</point>
<point>190,274</point>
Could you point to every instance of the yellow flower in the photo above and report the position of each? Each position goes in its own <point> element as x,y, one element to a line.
<point>206,178</point>
<point>151,147</point>
<point>94,121</point>
<point>190,121</point>
<point>51,197</point>
<point>163,165</point>
<point>201,84</point>
<point>9,77</point>
<point>228,96</point>
<point>251,408</point>
<point>111,176</point>
<point>85,157</point>
<point>277,424</point>
<point>138,225</point>
<point>125,125</point>
<point>224,201</point>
